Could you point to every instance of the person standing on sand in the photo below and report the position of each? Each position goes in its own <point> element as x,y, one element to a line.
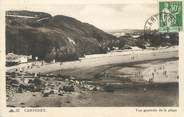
<point>139,73</point>
<point>165,73</point>
<point>163,67</point>
<point>153,75</point>
<point>155,69</point>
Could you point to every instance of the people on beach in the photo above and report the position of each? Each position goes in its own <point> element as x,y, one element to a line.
<point>153,75</point>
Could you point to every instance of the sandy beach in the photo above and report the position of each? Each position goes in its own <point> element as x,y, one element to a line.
<point>136,78</point>
<point>110,58</point>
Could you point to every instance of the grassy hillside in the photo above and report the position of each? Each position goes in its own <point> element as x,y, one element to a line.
<point>53,37</point>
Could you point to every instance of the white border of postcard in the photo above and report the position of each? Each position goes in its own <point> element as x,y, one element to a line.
<point>84,111</point>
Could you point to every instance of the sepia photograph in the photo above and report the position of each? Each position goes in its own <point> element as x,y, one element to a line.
<point>93,55</point>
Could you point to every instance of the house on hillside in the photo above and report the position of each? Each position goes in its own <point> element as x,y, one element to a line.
<point>13,59</point>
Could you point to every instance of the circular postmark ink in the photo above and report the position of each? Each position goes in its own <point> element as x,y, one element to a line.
<point>164,20</point>
<point>155,22</point>
<point>151,23</point>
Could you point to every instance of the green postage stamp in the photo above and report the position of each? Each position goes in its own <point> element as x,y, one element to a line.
<point>170,16</point>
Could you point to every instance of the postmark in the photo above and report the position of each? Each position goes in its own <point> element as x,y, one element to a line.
<point>152,24</point>
<point>168,10</point>
<point>152,35</point>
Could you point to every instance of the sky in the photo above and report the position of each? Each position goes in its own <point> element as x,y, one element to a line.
<point>103,16</point>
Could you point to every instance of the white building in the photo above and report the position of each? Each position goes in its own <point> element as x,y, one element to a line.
<point>11,57</point>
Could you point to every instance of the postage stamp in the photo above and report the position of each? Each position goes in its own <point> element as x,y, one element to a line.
<point>170,19</point>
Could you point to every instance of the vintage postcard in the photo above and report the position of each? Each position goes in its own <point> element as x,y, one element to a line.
<point>104,58</point>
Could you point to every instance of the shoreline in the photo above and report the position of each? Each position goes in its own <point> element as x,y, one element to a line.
<point>112,59</point>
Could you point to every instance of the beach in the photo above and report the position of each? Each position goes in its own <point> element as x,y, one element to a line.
<point>128,78</point>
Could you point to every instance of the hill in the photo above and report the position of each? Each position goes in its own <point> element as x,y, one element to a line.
<point>53,37</point>
<point>144,39</point>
